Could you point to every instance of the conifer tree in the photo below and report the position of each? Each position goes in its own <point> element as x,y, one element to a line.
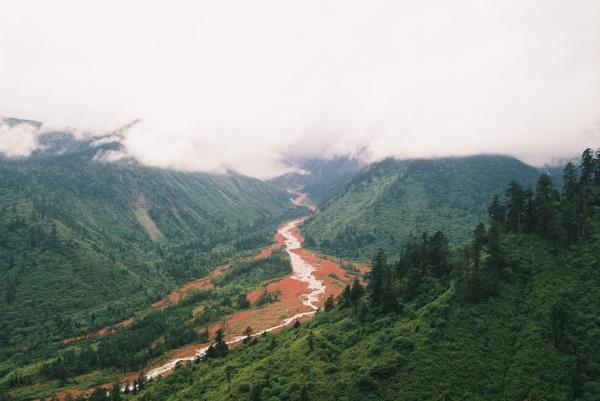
<point>544,210</point>
<point>248,334</point>
<point>345,298</point>
<point>329,304</point>
<point>570,181</point>
<point>515,205</point>
<point>478,243</point>
<point>496,211</point>
<point>310,340</point>
<point>438,252</point>
<point>587,167</point>
<point>597,168</point>
<point>496,258</point>
<point>115,394</point>
<point>376,278</point>
<point>356,292</point>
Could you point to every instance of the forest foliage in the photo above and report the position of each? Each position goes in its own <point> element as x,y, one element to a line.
<point>509,314</point>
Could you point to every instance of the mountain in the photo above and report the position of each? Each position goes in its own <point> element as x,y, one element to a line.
<point>319,178</point>
<point>508,315</point>
<point>85,242</point>
<point>388,202</point>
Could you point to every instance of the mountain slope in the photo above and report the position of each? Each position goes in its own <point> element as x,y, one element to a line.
<point>85,242</point>
<point>445,350</point>
<point>390,201</point>
<point>510,315</point>
<point>320,178</point>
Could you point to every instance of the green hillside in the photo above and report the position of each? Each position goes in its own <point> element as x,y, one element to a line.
<point>510,315</point>
<point>389,202</point>
<point>85,243</point>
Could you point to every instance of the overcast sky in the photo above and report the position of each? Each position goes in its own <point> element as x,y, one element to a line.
<point>242,84</point>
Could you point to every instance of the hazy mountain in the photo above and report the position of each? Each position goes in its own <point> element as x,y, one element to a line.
<point>84,242</point>
<point>320,178</point>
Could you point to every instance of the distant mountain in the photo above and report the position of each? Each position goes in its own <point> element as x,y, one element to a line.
<point>84,242</point>
<point>390,201</point>
<point>11,122</point>
<point>320,178</point>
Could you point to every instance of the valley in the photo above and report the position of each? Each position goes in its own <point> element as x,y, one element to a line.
<point>299,295</point>
<point>173,286</point>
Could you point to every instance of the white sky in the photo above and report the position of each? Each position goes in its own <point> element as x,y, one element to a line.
<point>241,84</point>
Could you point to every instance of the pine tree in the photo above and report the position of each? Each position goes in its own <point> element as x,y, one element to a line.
<point>356,292</point>
<point>597,168</point>
<point>570,186</point>
<point>529,221</point>
<point>515,200</point>
<point>220,344</point>
<point>376,278</point>
<point>438,253</point>
<point>310,340</point>
<point>242,301</point>
<point>345,298</point>
<point>228,373</point>
<point>496,211</point>
<point>115,394</point>
<point>248,334</point>
<point>329,304</point>
<point>544,210</point>
<point>496,259</point>
<point>219,347</point>
<point>478,243</point>
<point>587,167</point>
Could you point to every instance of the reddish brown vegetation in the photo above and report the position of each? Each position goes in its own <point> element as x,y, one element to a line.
<point>291,292</point>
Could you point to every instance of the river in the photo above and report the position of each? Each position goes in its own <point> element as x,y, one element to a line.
<point>301,271</point>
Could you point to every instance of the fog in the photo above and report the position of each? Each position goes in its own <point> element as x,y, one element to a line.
<point>244,84</point>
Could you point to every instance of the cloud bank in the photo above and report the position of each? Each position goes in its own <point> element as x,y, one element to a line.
<point>18,140</point>
<point>242,85</point>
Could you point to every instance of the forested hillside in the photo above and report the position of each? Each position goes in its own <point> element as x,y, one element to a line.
<point>393,200</point>
<point>85,242</point>
<point>510,314</point>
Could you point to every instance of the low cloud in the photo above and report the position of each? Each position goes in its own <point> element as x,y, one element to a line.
<point>17,140</point>
<point>247,85</point>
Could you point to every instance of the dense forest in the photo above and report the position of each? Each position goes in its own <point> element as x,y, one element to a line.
<point>388,202</point>
<point>150,336</point>
<point>85,244</point>
<point>510,314</point>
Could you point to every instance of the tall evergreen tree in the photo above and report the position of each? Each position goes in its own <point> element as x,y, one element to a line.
<point>529,221</point>
<point>587,167</point>
<point>496,211</point>
<point>438,253</point>
<point>356,292</point>
<point>345,298</point>
<point>570,181</point>
<point>115,394</point>
<point>515,201</point>
<point>545,196</point>
<point>376,277</point>
<point>329,304</point>
<point>478,243</point>
<point>597,168</point>
<point>496,259</point>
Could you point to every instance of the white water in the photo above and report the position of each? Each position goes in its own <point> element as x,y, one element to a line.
<point>301,270</point>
